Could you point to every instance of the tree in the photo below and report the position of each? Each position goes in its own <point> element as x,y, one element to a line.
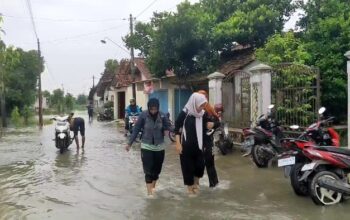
<point>326,32</point>
<point>47,95</point>
<point>23,80</point>
<point>57,100</point>
<point>283,48</point>
<point>111,66</point>
<point>82,99</point>
<point>189,40</point>
<point>69,102</point>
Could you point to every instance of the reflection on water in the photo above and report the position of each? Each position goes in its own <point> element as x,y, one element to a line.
<point>105,182</point>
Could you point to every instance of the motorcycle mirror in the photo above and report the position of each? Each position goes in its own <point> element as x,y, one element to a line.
<point>321,110</point>
<point>271,106</point>
<point>294,127</point>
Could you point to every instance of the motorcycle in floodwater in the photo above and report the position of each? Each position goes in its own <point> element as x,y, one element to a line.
<point>106,115</point>
<point>222,140</point>
<point>133,117</point>
<point>262,141</point>
<point>294,159</point>
<point>63,137</point>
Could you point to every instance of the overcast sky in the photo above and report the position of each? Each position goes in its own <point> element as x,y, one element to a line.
<point>70,32</point>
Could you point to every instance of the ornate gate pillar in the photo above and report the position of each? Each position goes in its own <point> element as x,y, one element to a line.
<point>215,88</point>
<point>261,89</point>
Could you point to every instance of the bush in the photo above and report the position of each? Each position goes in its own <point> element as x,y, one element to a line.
<point>16,117</point>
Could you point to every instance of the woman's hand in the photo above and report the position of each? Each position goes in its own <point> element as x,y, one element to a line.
<point>127,147</point>
<point>178,145</point>
<point>210,125</point>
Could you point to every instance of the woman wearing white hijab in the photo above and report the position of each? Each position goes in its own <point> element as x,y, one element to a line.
<point>189,142</point>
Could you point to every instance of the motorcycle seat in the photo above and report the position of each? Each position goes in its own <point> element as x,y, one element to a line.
<point>334,150</point>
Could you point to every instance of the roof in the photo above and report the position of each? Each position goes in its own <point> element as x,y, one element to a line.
<point>237,60</point>
<point>123,76</point>
<point>91,93</point>
<point>104,82</point>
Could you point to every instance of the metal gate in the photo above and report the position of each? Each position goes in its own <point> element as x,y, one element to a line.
<point>295,93</point>
<point>237,99</point>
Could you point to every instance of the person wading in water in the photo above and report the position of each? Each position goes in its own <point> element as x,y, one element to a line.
<point>152,123</point>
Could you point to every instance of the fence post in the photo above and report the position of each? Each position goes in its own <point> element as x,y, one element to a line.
<point>347,54</point>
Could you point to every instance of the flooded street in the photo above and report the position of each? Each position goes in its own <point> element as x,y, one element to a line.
<point>106,182</point>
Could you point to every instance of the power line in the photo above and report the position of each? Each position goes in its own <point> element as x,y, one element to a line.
<point>32,18</point>
<point>83,35</point>
<point>64,20</point>
<point>144,10</point>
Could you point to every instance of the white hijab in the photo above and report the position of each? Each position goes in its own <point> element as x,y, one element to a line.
<point>194,102</point>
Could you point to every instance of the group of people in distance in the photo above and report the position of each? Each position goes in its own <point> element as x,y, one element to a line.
<point>194,141</point>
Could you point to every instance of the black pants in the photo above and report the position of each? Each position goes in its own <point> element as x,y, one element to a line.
<point>192,164</point>
<point>210,166</point>
<point>152,162</point>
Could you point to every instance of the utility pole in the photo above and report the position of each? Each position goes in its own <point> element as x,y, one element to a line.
<point>2,97</point>
<point>40,96</point>
<point>93,81</point>
<point>132,60</point>
<point>347,55</point>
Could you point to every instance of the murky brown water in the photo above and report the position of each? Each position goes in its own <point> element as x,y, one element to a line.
<point>105,182</point>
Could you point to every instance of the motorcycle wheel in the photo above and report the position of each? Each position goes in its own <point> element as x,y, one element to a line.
<point>300,188</point>
<point>172,136</point>
<point>258,158</point>
<point>323,196</point>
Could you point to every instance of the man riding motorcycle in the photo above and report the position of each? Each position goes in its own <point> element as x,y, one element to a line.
<point>132,109</point>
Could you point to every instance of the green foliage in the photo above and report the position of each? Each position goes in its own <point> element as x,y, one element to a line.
<point>189,40</point>
<point>57,100</point>
<point>283,48</point>
<point>111,66</point>
<point>109,104</point>
<point>69,102</point>
<point>293,93</point>
<point>326,32</point>
<point>16,117</point>
<point>82,99</point>
<point>23,80</point>
<point>27,113</point>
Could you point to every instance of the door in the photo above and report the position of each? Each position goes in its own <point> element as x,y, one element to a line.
<point>162,96</point>
<point>121,105</point>
<point>181,98</point>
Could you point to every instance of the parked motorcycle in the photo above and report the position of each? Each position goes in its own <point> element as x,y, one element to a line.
<point>294,159</point>
<point>222,140</point>
<point>106,115</point>
<point>262,141</point>
<point>133,117</point>
<point>327,174</point>
<point>63,137</point>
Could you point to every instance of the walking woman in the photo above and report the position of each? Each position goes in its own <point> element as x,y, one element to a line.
<point>208,143</point>
<point>189,142</point>
<point>152,123</point>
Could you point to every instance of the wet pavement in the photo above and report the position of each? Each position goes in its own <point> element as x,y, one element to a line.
<point>106,182</point>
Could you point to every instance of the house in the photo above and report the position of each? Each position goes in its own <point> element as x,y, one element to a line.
<point>102,93</point>
<point>45,103</point>
<point>171,93</point>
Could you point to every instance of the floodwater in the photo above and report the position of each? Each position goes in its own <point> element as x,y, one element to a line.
<point>106,182</point>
